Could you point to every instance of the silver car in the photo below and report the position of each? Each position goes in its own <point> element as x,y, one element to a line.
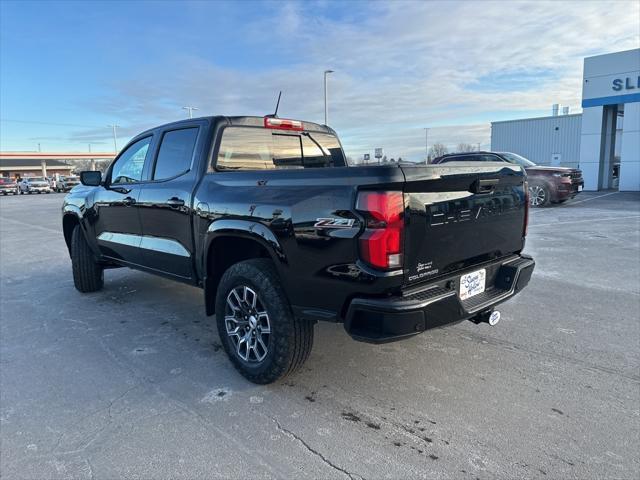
<point>34,184</point>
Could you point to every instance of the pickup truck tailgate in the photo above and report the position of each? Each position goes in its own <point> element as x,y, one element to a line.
<point>459,216</point>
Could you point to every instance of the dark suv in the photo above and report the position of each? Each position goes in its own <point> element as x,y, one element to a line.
<point>546,184</point>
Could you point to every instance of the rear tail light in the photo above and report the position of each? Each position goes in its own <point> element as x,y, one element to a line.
<point>381,242</point>
<point>282,124</point>
<point>526,209</point>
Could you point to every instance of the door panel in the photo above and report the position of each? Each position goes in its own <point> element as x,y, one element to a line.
<point>117,222</point>
<point>165,204</point>
<point>165,213</point>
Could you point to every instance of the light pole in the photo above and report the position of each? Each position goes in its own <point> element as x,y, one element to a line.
<point>190,109</point>
<point>115,137</point>
<point>326,106</point>
<point>426,145</point>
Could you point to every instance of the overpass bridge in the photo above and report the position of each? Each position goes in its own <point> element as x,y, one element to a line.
<point>44,163</point>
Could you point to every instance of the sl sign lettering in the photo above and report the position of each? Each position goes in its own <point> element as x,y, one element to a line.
<point>627,84</point>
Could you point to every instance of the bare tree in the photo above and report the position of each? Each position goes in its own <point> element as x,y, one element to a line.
<point>465,147</point>
<point>436,150</point>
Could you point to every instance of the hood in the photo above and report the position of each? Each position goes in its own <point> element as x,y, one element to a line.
<point>544,169</point>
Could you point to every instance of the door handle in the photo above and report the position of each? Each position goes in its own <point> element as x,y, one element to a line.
<point>175,202</point>
<point>128,201</point>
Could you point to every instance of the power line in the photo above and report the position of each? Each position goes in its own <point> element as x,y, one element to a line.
<point>48,123</point>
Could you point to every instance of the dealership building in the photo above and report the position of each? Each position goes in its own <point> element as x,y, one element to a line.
<point>603,141</point>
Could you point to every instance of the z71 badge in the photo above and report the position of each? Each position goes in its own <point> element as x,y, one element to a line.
<point>333,223</point>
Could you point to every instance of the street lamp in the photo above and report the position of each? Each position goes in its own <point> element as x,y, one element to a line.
<point>190,109</point>
<point>115,138</point>
<point>426,144</point>
<point>326,107</point>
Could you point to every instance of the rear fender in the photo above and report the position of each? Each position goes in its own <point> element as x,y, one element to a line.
<point>245,229</point>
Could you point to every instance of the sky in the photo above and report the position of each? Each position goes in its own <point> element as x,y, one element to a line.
<point>69,69</point>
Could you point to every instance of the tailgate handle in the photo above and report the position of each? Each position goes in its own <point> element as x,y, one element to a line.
<point>484,185</point>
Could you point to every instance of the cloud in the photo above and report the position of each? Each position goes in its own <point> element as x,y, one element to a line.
<point>400,66</point>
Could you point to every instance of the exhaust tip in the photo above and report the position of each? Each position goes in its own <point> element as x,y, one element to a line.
<point>494,318</point>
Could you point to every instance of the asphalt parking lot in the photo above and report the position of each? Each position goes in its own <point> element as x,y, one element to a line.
<point>132,381</point>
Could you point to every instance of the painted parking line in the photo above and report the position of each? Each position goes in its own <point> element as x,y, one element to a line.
<point>567,205</point>
<point>591,220</point>
<point>30,225</point>
<point>591,198</point>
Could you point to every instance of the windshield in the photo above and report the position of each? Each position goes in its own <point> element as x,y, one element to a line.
<point>36,179</point>
<point>517,159</point>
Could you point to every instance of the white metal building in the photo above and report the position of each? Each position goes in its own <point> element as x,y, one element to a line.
<point>551,140</point>
<point>603,141</point>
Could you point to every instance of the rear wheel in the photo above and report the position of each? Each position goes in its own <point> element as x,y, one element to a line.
<point>88,275</point>
<point>257,328</point>
<point>539,195</point>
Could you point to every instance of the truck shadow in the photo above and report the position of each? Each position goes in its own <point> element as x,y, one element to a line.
<point>158,330</point>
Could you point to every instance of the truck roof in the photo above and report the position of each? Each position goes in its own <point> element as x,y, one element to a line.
<point>245,120</point>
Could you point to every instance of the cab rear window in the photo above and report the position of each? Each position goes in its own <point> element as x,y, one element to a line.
<point>246,148</point>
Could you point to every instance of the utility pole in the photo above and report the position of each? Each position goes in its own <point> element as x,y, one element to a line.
<point>326,99</point>
<point>190,109</point>
<point>39,148</point>
<point>426,145</point>
<point>115,137</point>
<point>92,161</point>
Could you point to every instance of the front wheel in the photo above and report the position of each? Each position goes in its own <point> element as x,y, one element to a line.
<point>257,328</point>
<point>88,275</point>
<point>539,195</point>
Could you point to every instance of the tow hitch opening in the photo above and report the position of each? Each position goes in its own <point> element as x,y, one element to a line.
<point>492,317</point>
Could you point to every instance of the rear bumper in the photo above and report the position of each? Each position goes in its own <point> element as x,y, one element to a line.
<point>380,320</point>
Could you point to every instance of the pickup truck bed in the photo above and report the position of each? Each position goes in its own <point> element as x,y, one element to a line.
<point>265,215</point>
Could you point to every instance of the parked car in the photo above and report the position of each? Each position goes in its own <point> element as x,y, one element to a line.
<point>34,184</point>
<point>66,183</point>
<point>266,216</point>
<point>546,184</point>
<point>8,186</point>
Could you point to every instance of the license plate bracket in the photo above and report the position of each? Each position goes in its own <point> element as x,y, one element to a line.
<point>472,284</point>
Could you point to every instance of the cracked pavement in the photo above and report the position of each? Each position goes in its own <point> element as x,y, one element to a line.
<point>132,381</point>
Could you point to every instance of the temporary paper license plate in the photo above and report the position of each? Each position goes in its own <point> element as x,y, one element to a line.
<point>472,283</point>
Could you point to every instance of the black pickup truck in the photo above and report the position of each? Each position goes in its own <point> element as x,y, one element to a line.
<point>266,216</point>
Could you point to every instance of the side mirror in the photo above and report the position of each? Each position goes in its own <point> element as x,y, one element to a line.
<point>91,178</point>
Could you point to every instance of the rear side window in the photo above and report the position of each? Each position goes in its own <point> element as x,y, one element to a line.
<point>245,148</point>
<point>454,159</point>
<point>175,153</point>
<point>321,150</point>
<point>489,158</point>
<point>482,157</point>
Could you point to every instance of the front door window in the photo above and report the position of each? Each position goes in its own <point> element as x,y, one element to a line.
<point>128,168</point>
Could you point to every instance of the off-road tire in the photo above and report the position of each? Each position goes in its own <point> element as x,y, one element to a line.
<point>88,276</point>
<point>291,338</point>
